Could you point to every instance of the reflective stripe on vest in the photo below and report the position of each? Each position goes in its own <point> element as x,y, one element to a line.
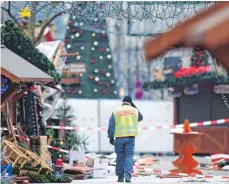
<point>126,121</point>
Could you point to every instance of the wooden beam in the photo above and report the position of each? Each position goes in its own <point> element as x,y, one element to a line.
<point>58,53</point>
<point>69,54</point>
<point>9,93</point>
<point>20,94</point>
<point>9,75</point>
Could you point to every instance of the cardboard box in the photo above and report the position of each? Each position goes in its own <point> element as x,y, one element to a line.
<point>102,165</point>
<point>102,171</point>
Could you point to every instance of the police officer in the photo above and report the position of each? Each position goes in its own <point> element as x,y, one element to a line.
<point>123,127</point>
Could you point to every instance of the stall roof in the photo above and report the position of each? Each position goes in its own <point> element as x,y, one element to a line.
<point>18,69</point>
<point>209,30</point>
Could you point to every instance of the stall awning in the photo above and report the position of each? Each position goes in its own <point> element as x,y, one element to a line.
<point>18,69</point>
<point>208,30</point>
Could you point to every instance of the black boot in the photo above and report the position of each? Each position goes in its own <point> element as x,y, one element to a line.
<point>128,180</point>
<point>120,179</point>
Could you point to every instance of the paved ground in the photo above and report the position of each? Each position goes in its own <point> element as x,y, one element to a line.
<point>165,164</point>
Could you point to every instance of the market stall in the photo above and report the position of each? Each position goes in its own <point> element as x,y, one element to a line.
<point>199,89</point>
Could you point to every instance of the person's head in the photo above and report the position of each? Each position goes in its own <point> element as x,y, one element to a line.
<point>127,100</point>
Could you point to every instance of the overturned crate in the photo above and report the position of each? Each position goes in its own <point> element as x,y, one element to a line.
<point>13,154</point>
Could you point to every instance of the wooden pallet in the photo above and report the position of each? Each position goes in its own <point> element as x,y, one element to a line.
<point>35,159</point>
<point>14,155</point>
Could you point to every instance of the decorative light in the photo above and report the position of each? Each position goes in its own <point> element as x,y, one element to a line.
<point>109,66</point>
<point>93,48</point>
<point>95,19</point>
<point>112,81</point>
<point>93,61</point>
<point>67,27</point>
<point>115,92</point>
<point>74,17</point>
<point>76,24</point>
<point>68,46</point>
<point>95,90</point>
<point>103,32</point>
<point>81,74</point>
<point>78,57</point>
<point>108,74</point>
<point>80,92</point>
<point>82,48</point>
<point>100,57</point>
<point>72,36</point>
<point>97,79</point>
<point>108,50</point>
<point>93,34</point>
<point>77,35</point>
<point>81,24</point>
<point>109,56</point>
<point>96,43</point>
<point>96,70</point>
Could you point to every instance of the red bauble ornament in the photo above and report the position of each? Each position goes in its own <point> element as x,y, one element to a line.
<point>68,91</point>
<point>104,91</point>
<point>81,32</point>
<point>69,22</point>
<point>73,30</point>
<point>101,26</point>
<point>100,83</point>
<point>108,85</point>
<point>103,34</point>
<point>74,92</point>
<point>90,77</point>
<point>101,50</point>
<point>93,61</point>
<point>102,71</point>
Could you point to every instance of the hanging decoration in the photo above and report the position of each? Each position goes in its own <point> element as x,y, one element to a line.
<point>191,90</point>
<point>104,91</point>
<point>138,90</point>
<point>173,92</point>
<point>193,70</point>
<point>4,84</point>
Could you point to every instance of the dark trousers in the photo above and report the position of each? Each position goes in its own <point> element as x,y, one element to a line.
<point>124,148</point>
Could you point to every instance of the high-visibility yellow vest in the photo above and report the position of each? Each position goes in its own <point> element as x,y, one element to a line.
<point>126,121</point>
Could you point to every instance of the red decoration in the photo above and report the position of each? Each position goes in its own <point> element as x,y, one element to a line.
<point>101,26</point>
<point>100,83</point>
<point>103,71</point>
<point>81,32</point>
<point>191,71</point>
<point>93,61</point>
<point>103,34</point>
<point>73,30</point>
<point>74,92</point>
<point>104,91</point>
<point>90,77</point>
<point>68,91</point>
<point>31,88</point>
<point>69,22</point>
<point>101,50</point>
<point>108,85</point>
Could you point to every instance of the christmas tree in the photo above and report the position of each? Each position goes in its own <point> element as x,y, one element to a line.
<point>92,64</point>
<point>71,140</point>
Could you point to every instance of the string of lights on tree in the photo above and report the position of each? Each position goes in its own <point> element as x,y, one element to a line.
<point>92,49</point>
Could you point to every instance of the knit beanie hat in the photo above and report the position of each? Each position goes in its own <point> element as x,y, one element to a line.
<point>127,99</point>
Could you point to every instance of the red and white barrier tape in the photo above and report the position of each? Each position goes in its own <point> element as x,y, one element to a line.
<point>180,174</point>
<point>58,149</point>
<point>107,119</point>
<point>196,124</point>
<point>217,158</point>
<point>22,137</point>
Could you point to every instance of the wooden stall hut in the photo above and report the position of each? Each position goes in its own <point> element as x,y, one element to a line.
<point>209,30</point>
<point>19,75</point>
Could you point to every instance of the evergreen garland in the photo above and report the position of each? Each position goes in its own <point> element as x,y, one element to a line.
<point>19,43</point>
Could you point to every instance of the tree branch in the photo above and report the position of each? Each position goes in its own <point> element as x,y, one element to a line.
<point>46,24</point>
<point>10,14</point>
